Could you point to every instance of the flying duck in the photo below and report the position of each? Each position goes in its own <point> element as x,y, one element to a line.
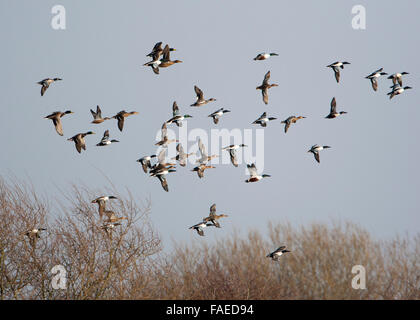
<point>200,226</point>
<point>161,170</point>
<point>97,116</point>
<point>165,140</point>
<point>213,217</point>
<point>34,235</point>
<point>335,66</point>
<point>264,56</point>
<point>181,156</point>
<point>253,175</point>
<point>397,77</point>
<point>120,117</point>
<point>204,156</point>
<point>263,120</point>
<point>275,255</point>
<point>46,83</point>
<point>288,122</point>
<point>166,60</point>
<point>105,140</point>
<point>101,201</point>
<point>56,118</point>
<point>397,91</point>
<point>333,111</point>
<point>265,86</point>
<point>201,168</point>
<point>79,140</point>
<point>315,150</point>
<point>217,114</point>
<point>109,227</point>
<point>145,162</point>
<point>373,77</point>
<point>176,117</point>
<point>161,164</point>
<point>232,152</point>
<point>200,98</point>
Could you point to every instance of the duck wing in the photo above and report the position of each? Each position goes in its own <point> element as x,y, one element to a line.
<point>44,88</point>
<point>58,126</point>
<point>287,126</point>
<point>120,122</point>
<point>333,106</point>
<point>175,109</point>
<point>145,165</point>
<point>105,137</point>
<point>252,170</point>
<point>163,182</point>
<point>337,74</point>
<point>164,131</point>
<point>374,84</point>
<point>199,93</point>
<point>265,95</point>
<point>266,78</point>
<point>79,145</point>
<point>233,158</point>
<point>166,54</point>
<point>213,209</point>
<point>279,249</point>
<point>94,114</point>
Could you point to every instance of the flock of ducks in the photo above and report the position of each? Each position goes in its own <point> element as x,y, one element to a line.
<point>161,168</point>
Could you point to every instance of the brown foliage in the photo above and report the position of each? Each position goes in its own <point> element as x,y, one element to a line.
<point>128,263</point>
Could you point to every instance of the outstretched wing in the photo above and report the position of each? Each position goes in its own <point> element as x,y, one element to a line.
<point>163,182</point>
<point>58,126</point>
<point>120,123</point>
<point>106,136</point>
<point>175,109</point>
<point>98,112</point>
<point>337,74</point>
<point>43,89</point>
<point>252,169</point>
<point>233,158</point>
<point>166,54</point>
<point>333,105</point>
<point>213,209</point>
<point>280,249</point>
<point>164,131</point>
<point>287,126</point>
<point>265,95</point>
<point>374,84</point>
<point>199,93</point>
<point>266,77</point>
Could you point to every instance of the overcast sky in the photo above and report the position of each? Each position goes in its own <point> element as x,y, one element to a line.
<point>370,176</point>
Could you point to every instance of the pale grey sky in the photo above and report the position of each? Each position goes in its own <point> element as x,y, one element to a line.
<point>370,175</point>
